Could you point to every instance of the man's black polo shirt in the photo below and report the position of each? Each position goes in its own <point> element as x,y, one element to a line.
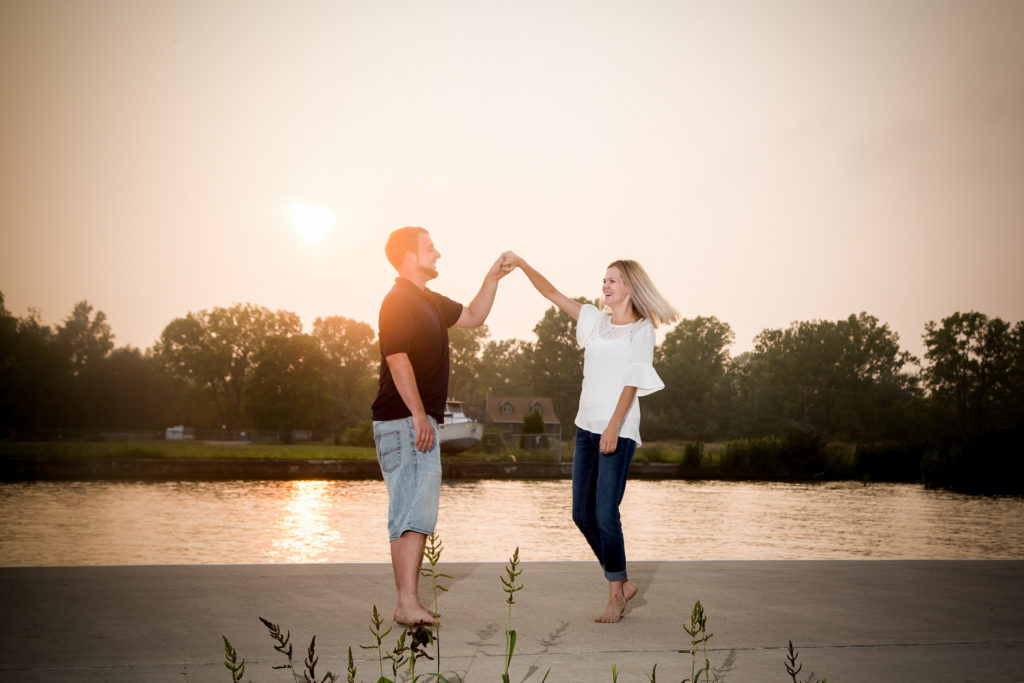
<point>416,323</point>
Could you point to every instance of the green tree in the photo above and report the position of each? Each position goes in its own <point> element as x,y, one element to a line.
<point>838,378</point>
<point>466,345</point>
<point>692,362</point>
<point>9,343</point>
<point>745,382</point>
<point>797,375</point>
<point>72,380</point>
<point>556,364</point>
<point>32,377</point>
<point>132,393</point>
<point>876,393</point>
<point>289,387</point>
<point>533,423</point>
<point>973,362</point>
<point>1014,407</point>
<point>503,369</point>
<point>85,339</point>
<point>354,364</point>
<point>213,353</point>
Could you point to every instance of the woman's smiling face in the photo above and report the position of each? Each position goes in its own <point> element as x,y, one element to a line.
<point>614,289</point>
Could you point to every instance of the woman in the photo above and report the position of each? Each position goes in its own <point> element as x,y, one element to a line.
<point>617,369</point>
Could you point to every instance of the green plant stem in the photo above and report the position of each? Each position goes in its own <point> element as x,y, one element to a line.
<point>375,623</point>
<point>512,572</point>
<point>432,552</point>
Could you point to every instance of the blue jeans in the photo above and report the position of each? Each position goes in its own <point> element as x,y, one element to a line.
<point>598,483</point>
<point>412,476</point>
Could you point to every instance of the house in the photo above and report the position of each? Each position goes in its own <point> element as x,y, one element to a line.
<point>505,413</point>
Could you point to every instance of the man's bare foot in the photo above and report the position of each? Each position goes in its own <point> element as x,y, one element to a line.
<point>619,593</point>
<point>417,614</point>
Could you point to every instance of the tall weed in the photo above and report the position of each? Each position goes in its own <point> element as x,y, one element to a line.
<point>512,573</point>
<point>699,637</point>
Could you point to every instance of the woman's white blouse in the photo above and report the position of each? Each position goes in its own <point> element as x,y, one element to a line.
<point>615,356</point>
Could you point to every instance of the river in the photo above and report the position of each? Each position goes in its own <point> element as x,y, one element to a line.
<point>242,522</point>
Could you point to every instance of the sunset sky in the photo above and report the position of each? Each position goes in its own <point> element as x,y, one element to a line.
<point>767,161</point>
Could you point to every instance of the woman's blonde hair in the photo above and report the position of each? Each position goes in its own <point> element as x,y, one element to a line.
<point>647,301</point>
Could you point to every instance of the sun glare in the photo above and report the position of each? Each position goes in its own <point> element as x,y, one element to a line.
<point>311,222</point>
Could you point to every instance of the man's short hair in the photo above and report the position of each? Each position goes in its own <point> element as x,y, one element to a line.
<point>401,241</point>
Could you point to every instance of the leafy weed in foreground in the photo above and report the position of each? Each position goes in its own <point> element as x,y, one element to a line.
<point>403,656</point>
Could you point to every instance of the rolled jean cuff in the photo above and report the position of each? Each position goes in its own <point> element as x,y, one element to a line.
<point>616,576</point>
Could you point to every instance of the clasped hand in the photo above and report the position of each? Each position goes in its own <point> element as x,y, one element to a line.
<point>508,262</point>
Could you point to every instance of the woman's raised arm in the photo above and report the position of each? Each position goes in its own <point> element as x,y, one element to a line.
<point>544,286</point>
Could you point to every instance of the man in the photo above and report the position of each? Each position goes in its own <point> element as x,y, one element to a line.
<point>410,402</point>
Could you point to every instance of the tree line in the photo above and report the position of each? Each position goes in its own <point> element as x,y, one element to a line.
<point>245,366</point>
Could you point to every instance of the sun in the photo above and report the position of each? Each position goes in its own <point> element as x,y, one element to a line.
<point>311,222</point>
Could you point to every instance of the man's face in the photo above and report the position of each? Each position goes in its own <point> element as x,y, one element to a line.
<point>426,256</point>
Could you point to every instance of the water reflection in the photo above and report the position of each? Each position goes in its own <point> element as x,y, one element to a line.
<point>303,532</point>
<point>97,523</point>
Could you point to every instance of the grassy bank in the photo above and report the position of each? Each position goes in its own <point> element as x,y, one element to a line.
<point>989,464</point>
<point>183,449</point>
<point>709,460</point>
<point>201,450</point>
<point>795,456</point>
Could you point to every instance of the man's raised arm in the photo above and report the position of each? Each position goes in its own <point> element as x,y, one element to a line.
<point>479,308</point>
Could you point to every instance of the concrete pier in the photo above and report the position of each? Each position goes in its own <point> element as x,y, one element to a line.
<point>857,620</point>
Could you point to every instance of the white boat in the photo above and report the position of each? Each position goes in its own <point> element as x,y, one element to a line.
<point>458,432</point>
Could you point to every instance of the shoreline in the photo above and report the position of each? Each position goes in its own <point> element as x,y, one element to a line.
<point>55,468</point>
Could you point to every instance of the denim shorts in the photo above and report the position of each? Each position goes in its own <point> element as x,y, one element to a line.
<point>413,477</point>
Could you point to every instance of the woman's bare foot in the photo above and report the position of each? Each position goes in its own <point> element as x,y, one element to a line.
<point>619,593</point>
<point>416,614</point>
<point>613,610</point>
<point>629,589</point>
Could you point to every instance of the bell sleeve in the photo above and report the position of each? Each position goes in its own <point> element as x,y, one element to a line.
<point>640,372</point>
<point>587,322</point>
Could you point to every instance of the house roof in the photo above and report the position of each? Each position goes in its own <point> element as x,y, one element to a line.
<point>512,409</point>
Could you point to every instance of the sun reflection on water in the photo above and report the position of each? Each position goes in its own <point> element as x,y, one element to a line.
<point>305,532</point>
